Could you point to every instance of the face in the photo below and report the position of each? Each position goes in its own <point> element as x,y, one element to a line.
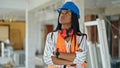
<point>65,17</point>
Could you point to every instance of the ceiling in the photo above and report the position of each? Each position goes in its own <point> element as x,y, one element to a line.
<point>15,9</point>
<point>101,3</point>
<point>15,14</point>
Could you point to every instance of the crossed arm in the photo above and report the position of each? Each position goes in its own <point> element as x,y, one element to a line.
<point>64,58</point>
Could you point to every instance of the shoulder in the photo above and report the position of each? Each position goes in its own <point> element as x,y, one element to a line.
<point>52,34</point>
<point>82,38</point>
<point>82,35</point>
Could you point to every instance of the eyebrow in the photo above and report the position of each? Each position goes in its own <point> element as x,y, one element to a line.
<point>66,11</point>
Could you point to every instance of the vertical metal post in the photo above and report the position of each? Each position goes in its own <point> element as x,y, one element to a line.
<point>109,35</point>
<point>2,50</point>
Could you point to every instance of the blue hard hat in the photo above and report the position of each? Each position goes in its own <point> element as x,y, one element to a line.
<point>71,7</point>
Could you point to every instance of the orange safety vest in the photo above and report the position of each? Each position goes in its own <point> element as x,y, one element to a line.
<point>60,44</point>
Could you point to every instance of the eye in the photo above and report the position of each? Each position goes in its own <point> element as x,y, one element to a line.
<point>68,13</point>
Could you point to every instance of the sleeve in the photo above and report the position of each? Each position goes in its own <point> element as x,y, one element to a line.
<point>48,51</point>
<point>81,56</point>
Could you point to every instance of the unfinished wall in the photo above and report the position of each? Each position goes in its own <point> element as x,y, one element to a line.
<point>17,34</point>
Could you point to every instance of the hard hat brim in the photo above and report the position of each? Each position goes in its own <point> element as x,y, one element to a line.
<point>59,9</point>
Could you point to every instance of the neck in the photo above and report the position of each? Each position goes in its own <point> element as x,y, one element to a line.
<point>66,26</point>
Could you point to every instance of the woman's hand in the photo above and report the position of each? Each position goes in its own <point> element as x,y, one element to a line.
<point>59,61</point>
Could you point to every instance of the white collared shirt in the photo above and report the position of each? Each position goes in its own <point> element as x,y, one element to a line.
<point>50,48</point>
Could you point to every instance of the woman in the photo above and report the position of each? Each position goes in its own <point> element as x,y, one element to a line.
<point>66,46</point>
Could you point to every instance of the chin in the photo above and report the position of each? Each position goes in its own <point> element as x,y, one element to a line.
<point>61,22</point>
